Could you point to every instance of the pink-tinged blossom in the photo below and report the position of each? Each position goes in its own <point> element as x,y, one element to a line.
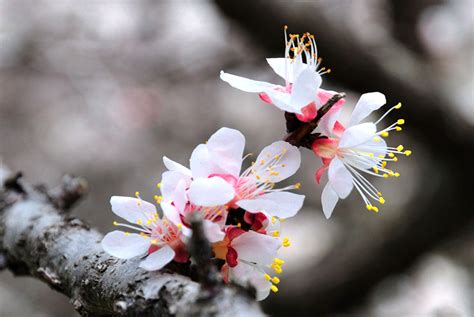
<point>301,93</point>
<point>350,151</point>
<point>157,238</point>
<point>248,257</point>
<point>215,177</point>
<point>254,188</point>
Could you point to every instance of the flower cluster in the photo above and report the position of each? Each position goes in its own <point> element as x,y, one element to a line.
<point>347,152</point>
<point>241,211</point>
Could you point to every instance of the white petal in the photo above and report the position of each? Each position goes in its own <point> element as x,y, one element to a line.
<point>201,162</point>
<point>158,259</point>
<point>283,67</point>
<point>282,100</point>
<point>305,88</point>
<point>213,232</point>
<point>245,273</point>
<point>171,213</point>
<point>245,84</point>
<point>170,181</point>
<point>175,166</point>
<point>181,196</point>
<point>367,103</point>
<point>279,204</point>
<point>357,135</point>
<point>227,146</point>
<point>125,246</point>
<point>328,200</point>
<point>340,178</point>
<point>132,209</point>
<point>326,123</point>
<point>256,247</point>
<point>209,192</point>
<point>280,161</point>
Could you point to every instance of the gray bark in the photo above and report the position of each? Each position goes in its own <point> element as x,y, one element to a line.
<point>40,240</point>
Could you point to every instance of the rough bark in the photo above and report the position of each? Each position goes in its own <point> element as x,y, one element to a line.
<point>41,240</point>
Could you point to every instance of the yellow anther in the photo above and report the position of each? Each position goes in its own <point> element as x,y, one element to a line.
<point>139,222</point>
<point>376,170</point>
<point>395,159</point>
<point>398,105</point>
<point>115,223</point>
<point>375,209</point>
<point>384,163</point>
<point>400,148</point>
<point>278,261</point>
<point>381,200</point>
<point>287,244</point>
<point>407,152</point>
<point>267,277</point>
<point>391,173</point>
<point>398,129</point>
<point>377,139</point>
<point>274,173</point>
<point>274,219</point>
<point>285,27</point>
<point>155,242</point>
<point>298,185</point>
<point>385,175</point>
<point>180,226</point>
<point>379,194</point>
<point>127,233</point>
<point>370,154</point>
<point>381,156</point>
<point>397,174</point>
<point>262,162</point>
<point>239,225</point>
<point>149,222</point>
<point>384,134</point>
<point>391,154</point>
<point>158,185</point>
<point>137,194</point>
<point>282,219</point>
<point>401,121</point>
<point>257,177</point>
<point>274,288</point>
<point>369,207</point>
<point>276,233</point>
<point>275,280</point>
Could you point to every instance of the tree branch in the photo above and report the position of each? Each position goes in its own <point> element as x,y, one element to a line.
<point>39,240</point>
<point>298,136</point>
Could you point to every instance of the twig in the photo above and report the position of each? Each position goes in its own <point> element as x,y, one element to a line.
<point>201,253</point>
<point>297,137</point>
<point>70,191</point>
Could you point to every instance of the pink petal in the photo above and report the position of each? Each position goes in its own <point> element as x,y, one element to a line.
<point>325,148</point>
<point>309,113</point>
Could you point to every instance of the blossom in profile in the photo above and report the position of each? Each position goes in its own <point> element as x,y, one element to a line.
<point>157,239</point>
<point>301,93</point>
<point>357,149</point>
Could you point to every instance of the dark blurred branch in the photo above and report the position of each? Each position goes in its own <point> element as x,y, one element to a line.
<point>406,15</point>
<point>441,205</point>
<point>39,240</point>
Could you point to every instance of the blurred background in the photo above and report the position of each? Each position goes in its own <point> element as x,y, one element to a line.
<point>104,89</point>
